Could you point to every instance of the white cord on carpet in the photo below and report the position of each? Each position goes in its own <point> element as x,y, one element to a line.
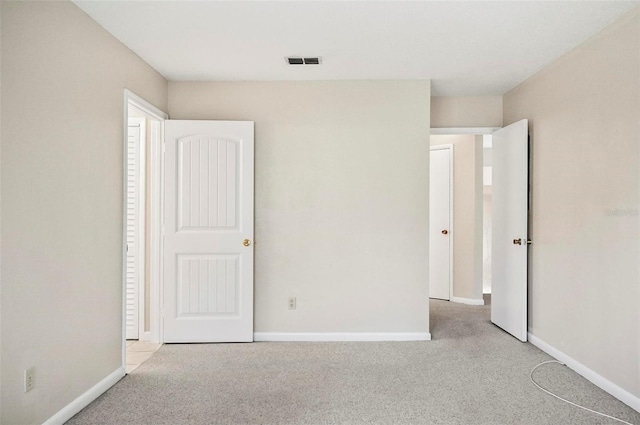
<point>567,401</point>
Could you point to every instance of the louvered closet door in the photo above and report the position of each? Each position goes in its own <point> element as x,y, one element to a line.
<point>132,289</point>
<point>208,242</point>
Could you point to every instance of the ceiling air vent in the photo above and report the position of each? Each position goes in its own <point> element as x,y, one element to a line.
<point>303,61</point>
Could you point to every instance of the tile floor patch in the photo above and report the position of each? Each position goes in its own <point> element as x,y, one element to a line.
<point>139,352</point>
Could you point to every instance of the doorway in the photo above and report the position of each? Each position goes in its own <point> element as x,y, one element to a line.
<point>465,233</point>
<point>506,238</point>
<point>142,171</point>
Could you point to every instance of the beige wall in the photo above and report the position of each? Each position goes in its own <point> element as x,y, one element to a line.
<point>341,192</point>
<point>478,213</point>
<point>467,210</point>
<point>1,55</point>
<point>584,283</point>
<point>487,213</point>
<point>62,84</point>
<point>466,111</point>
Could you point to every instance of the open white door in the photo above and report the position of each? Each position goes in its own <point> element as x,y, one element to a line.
<point>440,203</point>
<point>509,225</point>
<point>208,241</point>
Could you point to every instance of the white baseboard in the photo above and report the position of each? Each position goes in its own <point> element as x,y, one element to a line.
<point>620,393</point>
<point>341,336</point>
<point>468,301</point>
<point>83,401</point>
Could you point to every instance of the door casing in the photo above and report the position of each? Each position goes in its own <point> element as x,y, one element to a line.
<point>156,119</point>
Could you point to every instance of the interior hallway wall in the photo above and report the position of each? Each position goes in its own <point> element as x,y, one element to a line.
<point>341,192</point>
<point>487,214</point>
<point>466,111</point>
<point>584,273</point>
<point>62,81</point>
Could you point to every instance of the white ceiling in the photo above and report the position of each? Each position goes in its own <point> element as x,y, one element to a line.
<point>465,48</point>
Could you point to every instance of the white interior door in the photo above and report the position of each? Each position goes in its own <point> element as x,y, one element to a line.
<point>509,241</point>
<point>440,207</point>
<point>208,242</point>
<point>133,230</point>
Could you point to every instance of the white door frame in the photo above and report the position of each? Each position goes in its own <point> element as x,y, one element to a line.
<point>456,131</point>
<point>156,119</point>
<point>448,147</point>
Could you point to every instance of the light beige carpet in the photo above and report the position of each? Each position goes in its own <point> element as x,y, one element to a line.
<point>471,373</point>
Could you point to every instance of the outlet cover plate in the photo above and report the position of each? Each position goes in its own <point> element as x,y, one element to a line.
<point>29,379</point>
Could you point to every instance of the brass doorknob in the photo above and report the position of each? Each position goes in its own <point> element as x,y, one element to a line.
<point>246,242</point>
<point>517,241</point>
<point>445,232</point>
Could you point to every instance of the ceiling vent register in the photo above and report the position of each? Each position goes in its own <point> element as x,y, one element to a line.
<point>304,61</point>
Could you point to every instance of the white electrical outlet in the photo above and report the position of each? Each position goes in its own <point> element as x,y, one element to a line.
<point>292,303</point>
<point>29,379</point>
